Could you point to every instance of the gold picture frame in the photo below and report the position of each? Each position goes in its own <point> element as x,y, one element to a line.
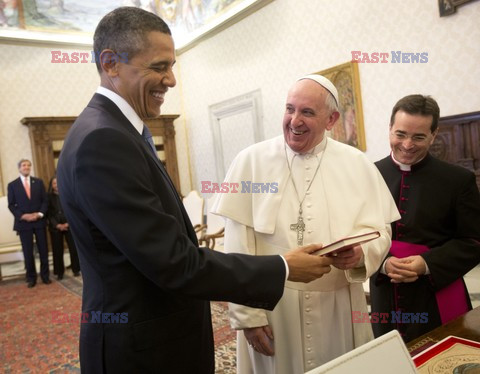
<point>1,181</point>
<point>349,127</point>
<point>449,7</point>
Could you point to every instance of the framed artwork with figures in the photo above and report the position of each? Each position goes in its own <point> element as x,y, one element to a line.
<point>349,127</point>
<point>73,22</point>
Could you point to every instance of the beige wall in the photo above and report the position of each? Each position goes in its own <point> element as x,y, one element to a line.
<point>267,50</point>
<point>289,38</point>
<point>31,85</point>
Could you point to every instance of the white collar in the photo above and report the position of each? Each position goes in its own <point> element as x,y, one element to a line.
<point>124,107</point>
<point>315,151</point>
<point>23,178</point>
<point>403,167</point>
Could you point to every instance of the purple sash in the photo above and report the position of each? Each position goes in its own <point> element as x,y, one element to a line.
<point>451,300</point>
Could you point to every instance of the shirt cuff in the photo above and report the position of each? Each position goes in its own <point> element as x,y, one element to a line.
<point>287,270</point>
<point>382,269</point>
<point>427,270</point>
<point>40,214</point>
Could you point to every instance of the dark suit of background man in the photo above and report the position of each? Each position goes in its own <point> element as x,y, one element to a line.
<point>27,201</point>
<point>437,240</point>
<point>138,251</point>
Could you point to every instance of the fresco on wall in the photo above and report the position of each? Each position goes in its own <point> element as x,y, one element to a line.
<point>186,18</point>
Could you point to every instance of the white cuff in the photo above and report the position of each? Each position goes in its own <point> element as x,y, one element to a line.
<point>287,270</point>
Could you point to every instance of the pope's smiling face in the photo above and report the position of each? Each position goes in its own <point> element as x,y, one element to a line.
<point>411,137</point>
<point>306,116</point>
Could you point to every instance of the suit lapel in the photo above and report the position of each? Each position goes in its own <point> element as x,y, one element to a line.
<point>189,228</point>
<point>157,161</point>
<point>161,167</point>
<point>33,186</point>
<point>108,105</point>
<point>103,103</point>
<point>191,232</point>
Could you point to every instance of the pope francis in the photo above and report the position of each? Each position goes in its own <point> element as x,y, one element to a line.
<point>326,191</point>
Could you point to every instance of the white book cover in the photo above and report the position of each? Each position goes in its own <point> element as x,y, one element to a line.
<point>386,354</point>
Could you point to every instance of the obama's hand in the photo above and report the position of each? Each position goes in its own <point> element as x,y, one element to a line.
<point>304,266</point>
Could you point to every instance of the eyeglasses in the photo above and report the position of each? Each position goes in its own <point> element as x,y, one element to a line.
<point>418,138</point>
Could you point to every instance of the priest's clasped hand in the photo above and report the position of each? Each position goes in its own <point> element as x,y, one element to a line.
<point>305,267</point>
<point>405,270</point>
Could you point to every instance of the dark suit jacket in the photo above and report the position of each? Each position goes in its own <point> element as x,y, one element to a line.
<point>440,208</point>
<point>139,254</point>
<point>55,214</point>
<point>19,203</point>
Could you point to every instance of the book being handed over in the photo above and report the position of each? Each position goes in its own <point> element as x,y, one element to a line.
<point>346,243</point>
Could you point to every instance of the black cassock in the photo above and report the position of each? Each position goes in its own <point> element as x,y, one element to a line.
<point>440,208</point>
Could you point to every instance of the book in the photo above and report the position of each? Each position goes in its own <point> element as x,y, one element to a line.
<point>386,354</point>
<point>450,355</point>
<point>346,243</point>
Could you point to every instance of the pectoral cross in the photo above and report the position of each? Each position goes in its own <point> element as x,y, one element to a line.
<point>299,227</point>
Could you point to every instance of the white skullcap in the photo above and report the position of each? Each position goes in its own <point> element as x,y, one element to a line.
<point>325,83</point>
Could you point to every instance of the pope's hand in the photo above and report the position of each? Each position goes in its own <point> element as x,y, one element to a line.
<point>260,339</point>
<point>305,267</point>
<point>348,258</point>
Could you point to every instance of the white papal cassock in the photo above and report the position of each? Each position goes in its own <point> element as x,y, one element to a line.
<point>312,323</point>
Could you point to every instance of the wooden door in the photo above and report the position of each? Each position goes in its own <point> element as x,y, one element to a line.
<point>48,133</point>
<point>458,141</point>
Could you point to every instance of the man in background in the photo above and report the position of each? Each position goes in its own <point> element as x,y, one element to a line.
<point>326,191</point>
<point>437,240</point>
<point>138,251</point>
<point>27,200</point>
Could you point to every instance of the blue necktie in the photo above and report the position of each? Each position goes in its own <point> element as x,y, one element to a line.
<point>147,135</point>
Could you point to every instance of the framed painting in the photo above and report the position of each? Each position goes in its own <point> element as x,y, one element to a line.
<point>1,181</point>
<point>73,22</point>
<point>448,7</point>
<point>349,127</point>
